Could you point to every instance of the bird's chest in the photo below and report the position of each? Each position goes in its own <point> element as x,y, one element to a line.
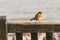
<point>39,16</point>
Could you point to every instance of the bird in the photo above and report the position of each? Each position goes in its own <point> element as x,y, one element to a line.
<point>38,16</point>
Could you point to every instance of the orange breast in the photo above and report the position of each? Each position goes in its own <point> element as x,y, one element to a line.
<point>39,16</point>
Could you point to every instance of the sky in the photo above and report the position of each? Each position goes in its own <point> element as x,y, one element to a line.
<point>27,5</point>
<point>12,8</point>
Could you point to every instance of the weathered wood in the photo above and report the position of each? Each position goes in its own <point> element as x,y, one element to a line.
<point>18,36</point>
<point>34,36</point>
<point>37,23</point>
<point>49,36</point>
<point>3,30</point>
<point>33,27</point>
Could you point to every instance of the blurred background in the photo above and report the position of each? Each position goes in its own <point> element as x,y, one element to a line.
<point>24,10</point>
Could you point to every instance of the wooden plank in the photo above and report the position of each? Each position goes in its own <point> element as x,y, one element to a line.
<point>3,30</point>
<point>18,36</point>
<point>33,27</point>
<point>36,23</point>
<point>34,36</point>
<point>49,36</point>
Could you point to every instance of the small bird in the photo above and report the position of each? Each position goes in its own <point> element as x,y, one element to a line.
<point>38,16</point>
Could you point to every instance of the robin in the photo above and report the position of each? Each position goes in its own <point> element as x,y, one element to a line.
<point>38,16</point>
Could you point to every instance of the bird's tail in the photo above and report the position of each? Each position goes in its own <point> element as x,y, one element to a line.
<point>32,19</point>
